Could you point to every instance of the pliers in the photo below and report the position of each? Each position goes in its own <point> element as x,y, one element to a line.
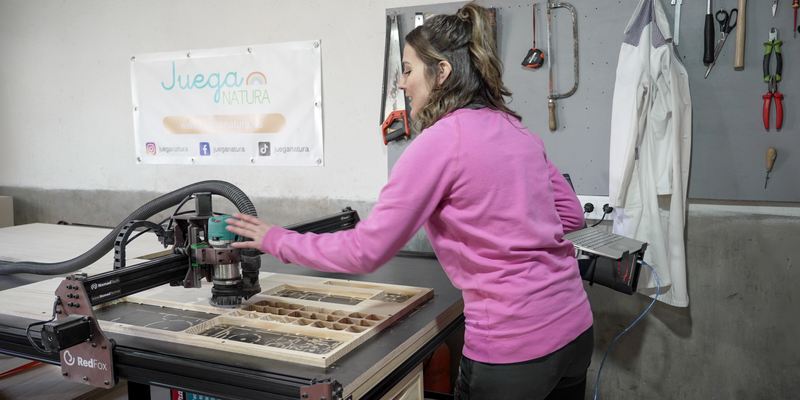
<point>772,80</point>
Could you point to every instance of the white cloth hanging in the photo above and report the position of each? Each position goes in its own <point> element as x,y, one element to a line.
<point>650,150</point>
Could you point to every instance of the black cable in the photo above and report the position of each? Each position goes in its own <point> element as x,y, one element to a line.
<point>225,189</point>
<point>606,211</point>
<point>165,220</point>
<point>601,220</point>
<point>160,223</point>
<point>28,330</point>
<point>174,213</point>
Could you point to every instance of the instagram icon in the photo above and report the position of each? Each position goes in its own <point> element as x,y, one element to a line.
<point>151,148</point>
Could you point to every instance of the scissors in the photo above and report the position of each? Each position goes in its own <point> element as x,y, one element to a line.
<point>725,28</point>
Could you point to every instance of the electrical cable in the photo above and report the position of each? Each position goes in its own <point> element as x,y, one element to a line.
<point>28,330</point>
<point>165,220</point>
<point>606,211</point>
<point>601,220</point>
<point>174,213</point>
<point>225,189</point>
<point>658,291</point>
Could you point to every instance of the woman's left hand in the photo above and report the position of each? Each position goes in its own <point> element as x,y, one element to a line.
<point>249,227</point>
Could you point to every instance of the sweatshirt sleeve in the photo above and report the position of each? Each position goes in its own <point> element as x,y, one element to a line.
<point>567,203</point>
<point>418,182</point>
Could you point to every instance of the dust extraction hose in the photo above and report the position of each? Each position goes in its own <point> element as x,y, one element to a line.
<point>225,189</point>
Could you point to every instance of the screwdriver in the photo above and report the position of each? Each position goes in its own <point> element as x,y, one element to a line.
<point>708,38</point>
<point>772,154</point>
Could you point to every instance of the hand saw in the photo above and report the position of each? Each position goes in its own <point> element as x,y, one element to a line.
<point>394,118</point>
<point>551,105</point>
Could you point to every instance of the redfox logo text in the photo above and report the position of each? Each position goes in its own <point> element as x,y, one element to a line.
<point>93,363</point>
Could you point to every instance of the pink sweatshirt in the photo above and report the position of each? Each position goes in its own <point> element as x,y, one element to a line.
<point>495,210</point>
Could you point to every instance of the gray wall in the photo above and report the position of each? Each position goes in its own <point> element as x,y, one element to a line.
<point>729,141</point>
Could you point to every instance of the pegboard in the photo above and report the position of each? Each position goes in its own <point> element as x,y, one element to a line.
<point>729,140</point>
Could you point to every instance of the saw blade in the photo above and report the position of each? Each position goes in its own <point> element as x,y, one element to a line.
<point>394,98</point>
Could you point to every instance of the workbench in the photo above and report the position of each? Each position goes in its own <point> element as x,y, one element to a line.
<point>370,371</point>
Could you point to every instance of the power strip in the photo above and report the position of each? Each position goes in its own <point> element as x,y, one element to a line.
<point>598,202</point>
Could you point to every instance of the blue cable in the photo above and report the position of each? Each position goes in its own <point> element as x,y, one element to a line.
<point>658,291</point>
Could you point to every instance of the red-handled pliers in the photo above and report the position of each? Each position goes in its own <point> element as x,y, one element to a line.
<point>772,80</point>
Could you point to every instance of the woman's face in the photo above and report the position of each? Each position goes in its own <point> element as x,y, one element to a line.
<point>413,81</point>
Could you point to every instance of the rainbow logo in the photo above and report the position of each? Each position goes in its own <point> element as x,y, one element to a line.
<point>256,78</point>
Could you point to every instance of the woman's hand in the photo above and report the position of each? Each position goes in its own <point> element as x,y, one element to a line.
<point>249,227</point>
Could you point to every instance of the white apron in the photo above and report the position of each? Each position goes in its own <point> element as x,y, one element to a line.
<point>650,149</point>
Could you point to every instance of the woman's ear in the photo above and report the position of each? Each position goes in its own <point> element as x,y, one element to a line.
<point>444,71</point>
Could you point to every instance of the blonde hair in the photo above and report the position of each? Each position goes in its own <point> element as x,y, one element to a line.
<point>466,41</point>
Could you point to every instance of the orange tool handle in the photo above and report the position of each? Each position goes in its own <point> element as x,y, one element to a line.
<point>397,120</point>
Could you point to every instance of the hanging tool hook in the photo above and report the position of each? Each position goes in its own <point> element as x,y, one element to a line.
<point>551,105</point>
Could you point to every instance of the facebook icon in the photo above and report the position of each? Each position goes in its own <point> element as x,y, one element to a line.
<point>205,149</point>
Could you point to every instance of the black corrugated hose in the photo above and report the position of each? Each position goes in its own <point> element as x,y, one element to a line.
<point>221,188</point>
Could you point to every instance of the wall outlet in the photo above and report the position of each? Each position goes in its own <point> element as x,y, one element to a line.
<point>598,202</point>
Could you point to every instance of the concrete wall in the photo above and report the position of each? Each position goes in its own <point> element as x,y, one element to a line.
<point>738,337</point>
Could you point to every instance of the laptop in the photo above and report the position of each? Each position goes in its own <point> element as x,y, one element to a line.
<point>602,243</point>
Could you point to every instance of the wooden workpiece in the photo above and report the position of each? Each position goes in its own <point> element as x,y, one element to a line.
<point>274,324</point>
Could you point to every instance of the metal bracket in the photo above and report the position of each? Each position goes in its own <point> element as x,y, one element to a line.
<point>322,391</point>
<point>90,362</point>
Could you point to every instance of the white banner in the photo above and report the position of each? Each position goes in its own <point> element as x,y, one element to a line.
<point>256,105</point>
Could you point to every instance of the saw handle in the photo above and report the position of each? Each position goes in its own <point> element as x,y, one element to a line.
<point>398,122</point>
<point>552,106</point>
<point>738,55</point>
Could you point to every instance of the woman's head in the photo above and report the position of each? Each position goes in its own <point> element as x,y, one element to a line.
<point>451,62</point>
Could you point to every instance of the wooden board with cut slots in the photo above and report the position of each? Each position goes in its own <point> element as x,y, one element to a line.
<point>307,320</point>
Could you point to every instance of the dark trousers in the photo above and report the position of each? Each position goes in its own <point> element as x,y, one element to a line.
<point>558,375</point>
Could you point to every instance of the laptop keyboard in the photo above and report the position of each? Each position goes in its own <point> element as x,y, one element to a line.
<point>594,238</point>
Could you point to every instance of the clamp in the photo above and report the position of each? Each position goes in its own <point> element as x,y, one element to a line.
<point>772,80</point>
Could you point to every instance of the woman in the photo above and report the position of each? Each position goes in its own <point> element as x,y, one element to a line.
<point>494,208</point>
